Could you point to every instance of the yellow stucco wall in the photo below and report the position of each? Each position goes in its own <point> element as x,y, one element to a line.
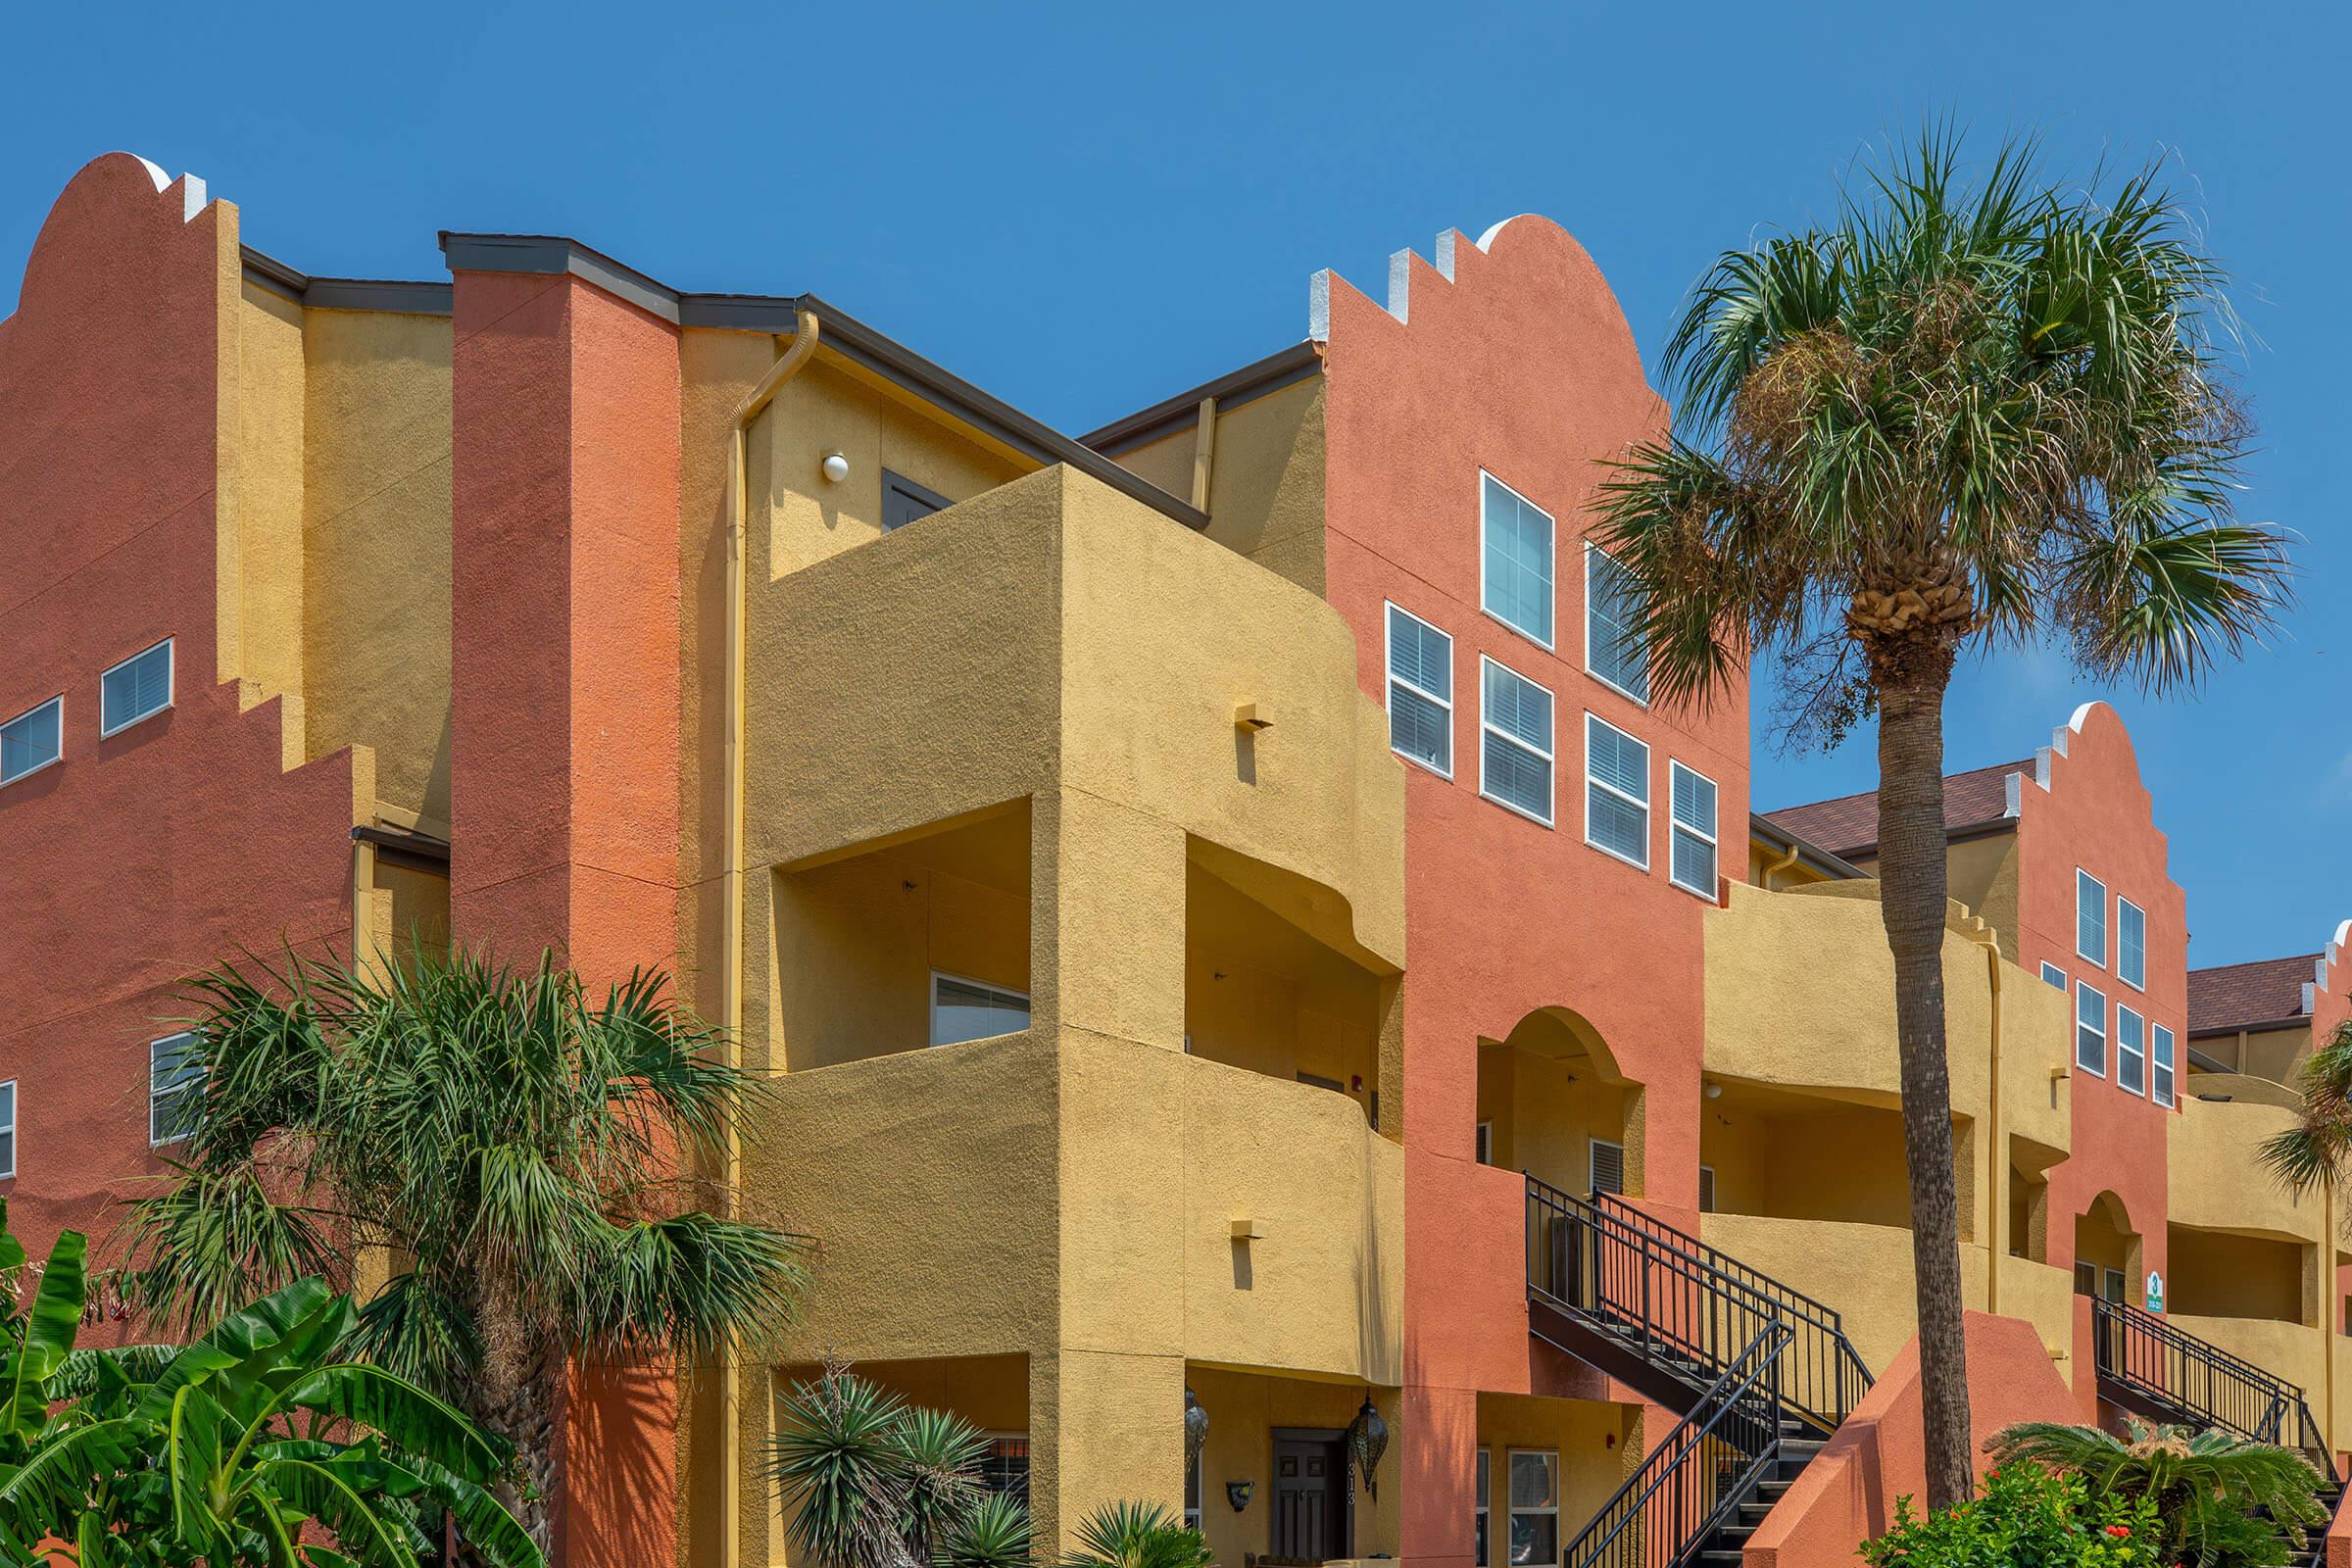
<point>2216,1179</point>
<point>1266,478</point>
<point>1863,1272</point>
<point>263,644</point>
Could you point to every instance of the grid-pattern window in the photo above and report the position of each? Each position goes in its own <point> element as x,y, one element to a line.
<point>175,1087</point>
<point>1515,758</point>
<point>1606,1166</point>
<point>1691,864</point>
<point>1613,647</point>
<point>2052,975</point>
<point>1515,579</point>
<point>971,1009</point>
<point>2159,1083</point>
<point>1005,1468</point>
<point>2130,1050</point>
<point>1535,1506</point>
<point>8,1129</point>
<point>139,687</point>
<point>2090,1028</point>
<point>2090,917</point>
<point>1420,692</point>
<point>2131,944</point>
<point>32,740</point>
<point>1486,1500</point>
<point>1616,792</point>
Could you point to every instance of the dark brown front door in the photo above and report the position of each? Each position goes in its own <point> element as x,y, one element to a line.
<point>1310,1500</point>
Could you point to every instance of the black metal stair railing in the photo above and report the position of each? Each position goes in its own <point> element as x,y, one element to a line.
<point>2196,1382</point>
<point>1691,1484</point>
<point>1674,1300</point>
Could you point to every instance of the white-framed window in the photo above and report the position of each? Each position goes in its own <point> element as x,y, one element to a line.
<point>963,1008</point>
<point>1514,546</point>
<point>8,1129</point>
<point>1486,1143</point>
<point>2131,944</point>
<point>2052,975</point>
<point>1535,1497</point>
<point>2130,1050</point>
<point>175,1087</point>
<point>139,687</point>
<point>1691,859</point>
<point>2090,1028</point>
<point>2159,1083</point>
<point>32,740</point>
<point>1706,1189</point>
<point>2090,917</point>
<point>1420,692</point>
<point>1514,753</point>
<point>1614,651</point>
<point>1616,793</point>
<point>1484,1480</point>
<point>1604,1166</point>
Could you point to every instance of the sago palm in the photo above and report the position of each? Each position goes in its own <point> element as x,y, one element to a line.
<point>1957,417</point>
<point>2223,1502</point>
<point>508,1143</point>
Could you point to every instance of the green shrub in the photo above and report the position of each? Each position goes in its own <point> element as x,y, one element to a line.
<point>2025,1516</point>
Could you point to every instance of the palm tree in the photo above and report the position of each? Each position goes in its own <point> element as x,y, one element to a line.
<point>2220,1499</point>
<point>2315,1150</point>
<point>1959,417</point>
<point>506,1140</point>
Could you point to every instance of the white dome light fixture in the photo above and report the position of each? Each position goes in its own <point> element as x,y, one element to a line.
<point>836,466</point>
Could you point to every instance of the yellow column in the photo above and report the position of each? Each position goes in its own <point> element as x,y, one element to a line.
<point>1104,1426</point>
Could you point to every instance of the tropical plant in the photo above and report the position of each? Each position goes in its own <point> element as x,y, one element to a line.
<point>2220,1500</point>
<point>2029,1517</point>
<point>252,1445</point>
<point>1138,1534</point>
<point>878,1482</point>
<point>995,1533</point>
<point>510,1140</point>
<point>2317,1151</point>
<point>1960,416</point>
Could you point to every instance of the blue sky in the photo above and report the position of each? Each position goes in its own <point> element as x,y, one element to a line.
<point>1085,207</point>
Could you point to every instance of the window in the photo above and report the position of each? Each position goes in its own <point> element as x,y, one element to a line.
<point>1606,1166</point>
<point>2111,1283</point>
<point>2130,1050</point>
<point>175,1087</point>
<point>2090,917</point>
<point>1420,692</point>
<point>2052,975</point>
<point>2160,1086</point>
<point>904,501</point>
<point>1514,759</point>
<point>2131,944</point>
<point>1691,864</point>
<point>1485,1481</point>
<point>1613,649</point>
<point>1616,793</point>
<point>2090,1029</point>
<point>139,687</point>
<point>971,1010</point>
<point>1486,1143</point>
<point>1192,1492</point>
<point>8,1129</point>
<point>2086,1278</point>
<point>1515,546</point>
<point>1706,1189</point>
<point>1005,1468</point>
<point>31,741</point>
<point>1535,1507</point>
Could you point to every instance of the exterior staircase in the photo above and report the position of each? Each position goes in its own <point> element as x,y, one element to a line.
<point>2154,1370</point>
<point>1759,1373</point>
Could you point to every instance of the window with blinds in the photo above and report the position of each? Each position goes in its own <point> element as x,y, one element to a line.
<point>1607,1166</point>
<point>2160,1085</point>
<point>1515,539</point>
<point>8,1129</point>
<point>1691,864</point>
<point>1616,793</point>
<point>32,740</point>
<point>2090,917</point>
<point>1613,650</point>
<point>175,1087</point>
<point>2130,1050</point>
<point>139,687</point>
<point>2131,944</point>
<point>1515,766</point>
<point>1420,692</point>
<point>2090,1029</point>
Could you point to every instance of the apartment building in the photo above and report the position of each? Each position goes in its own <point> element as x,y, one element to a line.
<point>1229,931</point>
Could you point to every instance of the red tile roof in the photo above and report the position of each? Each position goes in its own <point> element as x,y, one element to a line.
<point>1850,824</point>
<point>2262,994</point>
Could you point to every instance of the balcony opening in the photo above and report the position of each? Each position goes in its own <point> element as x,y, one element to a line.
<point>2229,1274</point>
<point>990,1391</point>
<point>2107,1257</point>
<point>2028,1217</point>
<point>1273,981</point>
<point>1542,1469</point>
<point>1782,1154</point>
<point>1553,1104</point>
<point>917,941</point>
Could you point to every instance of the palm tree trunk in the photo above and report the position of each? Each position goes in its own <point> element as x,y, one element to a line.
<point>517,1399</point>
<point>1911,680</point>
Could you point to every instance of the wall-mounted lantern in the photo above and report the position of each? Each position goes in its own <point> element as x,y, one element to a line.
<point>1367,1438</point>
